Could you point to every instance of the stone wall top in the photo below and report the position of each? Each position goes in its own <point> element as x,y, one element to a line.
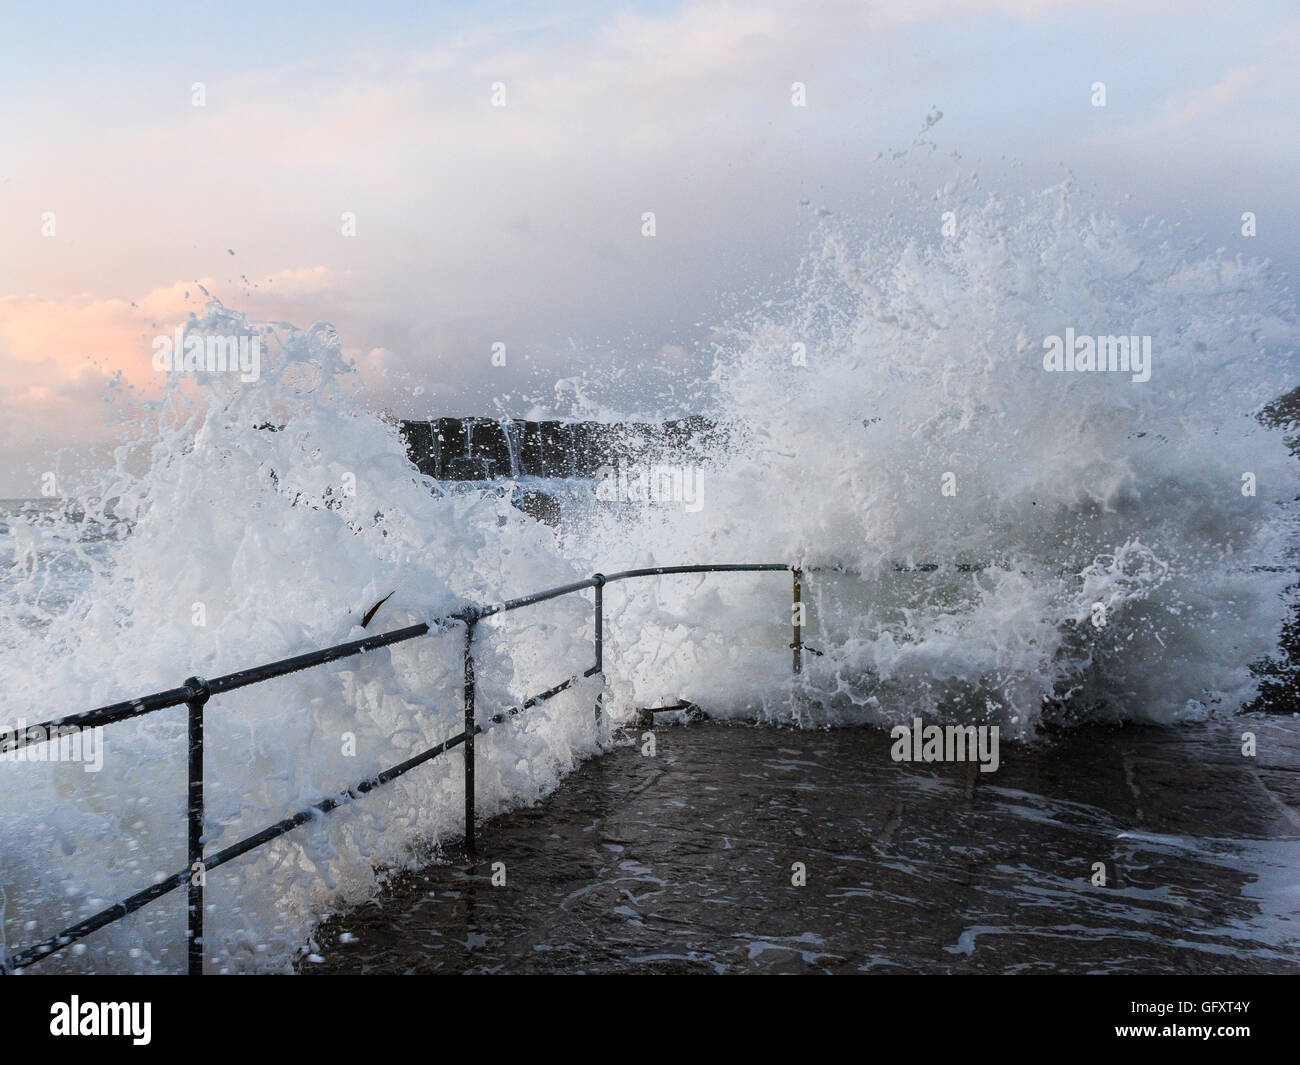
<point>478,449</point>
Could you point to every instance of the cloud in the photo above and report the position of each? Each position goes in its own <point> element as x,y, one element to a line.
<point>1186,107</point>
<point>65,363</point>
<point>521,224</point>
<point>48,340</point>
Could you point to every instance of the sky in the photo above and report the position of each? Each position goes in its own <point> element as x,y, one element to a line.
<point>521,224</point>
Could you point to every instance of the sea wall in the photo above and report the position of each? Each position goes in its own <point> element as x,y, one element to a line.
<point>480,449</point>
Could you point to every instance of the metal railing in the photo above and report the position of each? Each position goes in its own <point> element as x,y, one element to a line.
<point>195,692</point>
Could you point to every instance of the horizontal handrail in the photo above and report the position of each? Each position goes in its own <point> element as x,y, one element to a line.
<point>147,704</point>
<point>659,571</point>
<point>196,692</point>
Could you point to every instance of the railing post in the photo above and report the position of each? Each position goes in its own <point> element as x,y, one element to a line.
<point>194,886</point>
<point>600,646</point>
<point>796,619</point>
<point>469,739</point>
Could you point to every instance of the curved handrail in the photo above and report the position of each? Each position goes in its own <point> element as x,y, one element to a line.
<point>195,693</point>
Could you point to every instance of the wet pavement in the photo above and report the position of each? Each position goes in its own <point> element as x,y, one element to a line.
<point>684,862</point>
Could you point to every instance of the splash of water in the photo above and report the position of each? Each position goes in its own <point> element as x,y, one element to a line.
<point>265,520</point>
<point>1097,547</point>
<point>245,522</point>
